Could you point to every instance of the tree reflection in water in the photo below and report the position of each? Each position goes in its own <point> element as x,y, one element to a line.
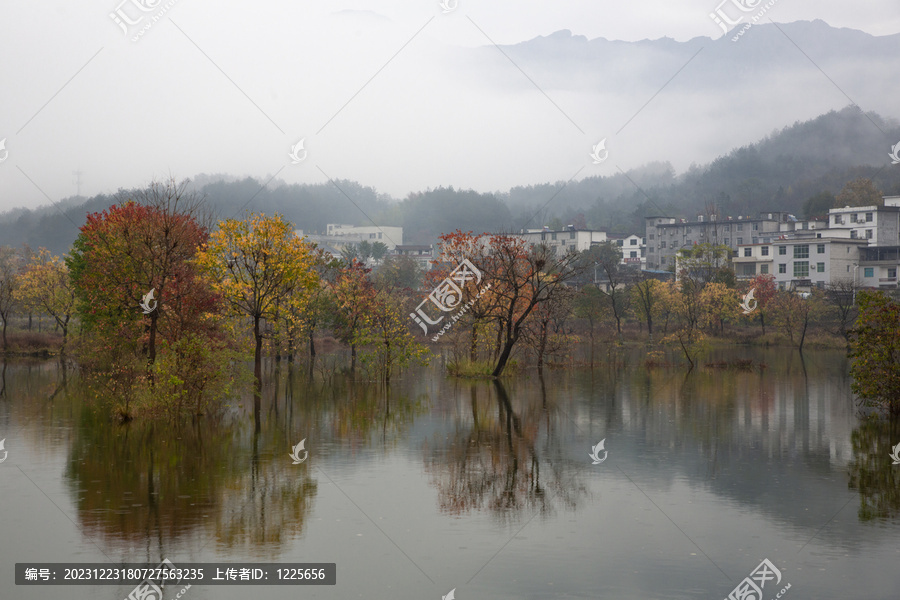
<point>494,460</point>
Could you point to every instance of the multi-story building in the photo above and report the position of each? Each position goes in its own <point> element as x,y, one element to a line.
<point>666,236</point>
<point>878,225</point>
<point>633,248</point>
<point>390,236</point>
<point>801,261</point>
<point>878,267</point>
<point>566,240</point>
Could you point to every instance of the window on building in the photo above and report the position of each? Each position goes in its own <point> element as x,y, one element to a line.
<point>662,244</point>
<point>728,228</point>
<point>869,272</point>
<point>764,269</point>
<point>633,254</point>
<point>754,240</point>
<point>620,243</point>
<point>767,240</point>
<point>740,241</point>
<point>671,232</point>
<point>801,251</point>
<point>820,248</point>
<point>838,220</point>
<point>764,251</point>
<point>853,218</point>
<point>782,250</point>
<point>571,235</point>
<point>801,268</point>
<point>740,226</point>
<point>782,268</point>
<point>632,242</point>
<point>852,234</point>
<point>552,236</point>
<point>652,236</point>
<point>688,230</point>
<point>572,248</point>
<point>748,251</point>
<point>652,249</point>
<point>727,241</point>
<point>820,267</point>
<point>756,227</point>
<point>868,234</point>
<point>892,272</point>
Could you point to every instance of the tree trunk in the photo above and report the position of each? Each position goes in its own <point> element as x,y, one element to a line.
<point>473,344</point>
<point>352,358</point>
<point>257,372</point>
<point>151,350</point>
<point>504,357</point>
<point>312,344</point>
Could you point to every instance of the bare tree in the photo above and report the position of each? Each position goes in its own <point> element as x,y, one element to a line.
<point>841,296</point>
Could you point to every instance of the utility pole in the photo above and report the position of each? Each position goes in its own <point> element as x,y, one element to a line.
<point>77,175</point>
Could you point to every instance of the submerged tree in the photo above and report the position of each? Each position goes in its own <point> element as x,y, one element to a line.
<point>45,286</point>
<point>254,264</point>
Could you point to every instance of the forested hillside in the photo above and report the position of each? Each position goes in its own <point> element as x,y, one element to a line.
<point>781,171</point>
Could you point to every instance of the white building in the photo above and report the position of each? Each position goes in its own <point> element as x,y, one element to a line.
<point>801,261</point>
<point>390,236</point>
<point>566,240</point>
<point>878,225</point>
<point>632,248</point>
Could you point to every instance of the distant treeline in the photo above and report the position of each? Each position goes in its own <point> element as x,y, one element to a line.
<point>781,172</point>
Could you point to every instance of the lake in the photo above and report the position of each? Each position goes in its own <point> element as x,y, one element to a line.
<point>437,484</point>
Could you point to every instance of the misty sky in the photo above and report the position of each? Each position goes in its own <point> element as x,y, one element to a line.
<point>389,96</point>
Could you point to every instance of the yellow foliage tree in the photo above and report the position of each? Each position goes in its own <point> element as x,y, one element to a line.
<point>258,265</point>
<point>44,286</point>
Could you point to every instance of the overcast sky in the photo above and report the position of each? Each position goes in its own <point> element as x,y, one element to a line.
<point>374,93</point>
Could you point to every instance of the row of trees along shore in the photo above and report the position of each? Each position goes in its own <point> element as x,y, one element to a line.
<point>228,293</point>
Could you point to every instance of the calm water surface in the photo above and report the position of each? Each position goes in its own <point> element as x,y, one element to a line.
<point>437,483</point>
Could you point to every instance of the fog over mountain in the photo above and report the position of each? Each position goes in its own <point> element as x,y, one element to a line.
<point>405,98</point>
